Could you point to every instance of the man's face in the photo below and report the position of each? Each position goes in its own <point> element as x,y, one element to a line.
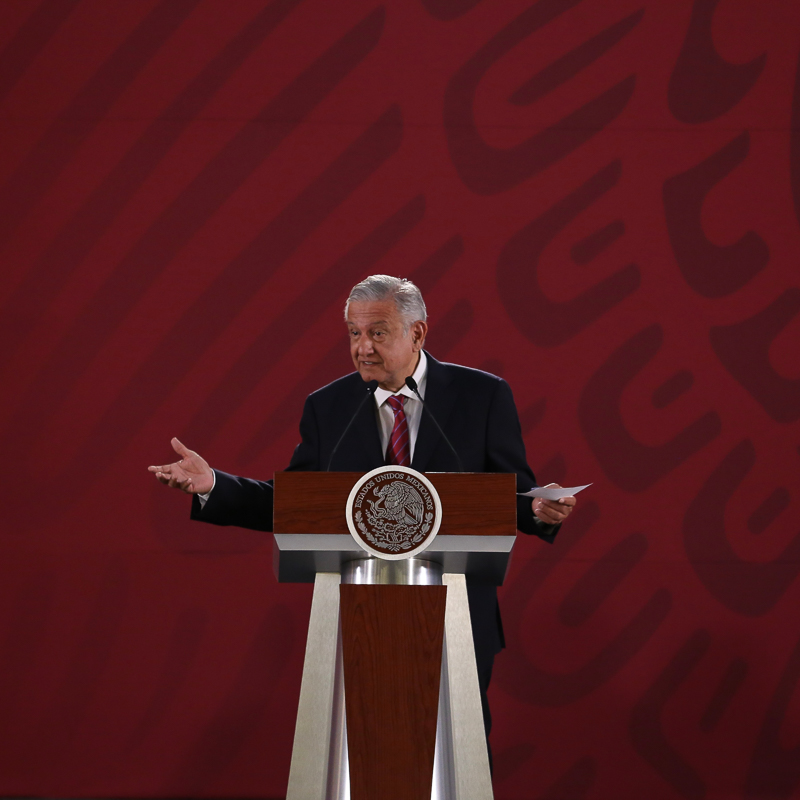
<point>379,347</point>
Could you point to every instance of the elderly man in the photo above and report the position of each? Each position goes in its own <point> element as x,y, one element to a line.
<point>386,324</point>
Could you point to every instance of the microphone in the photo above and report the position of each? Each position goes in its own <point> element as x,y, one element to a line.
<point>372,387</point>
<point>412,384</point>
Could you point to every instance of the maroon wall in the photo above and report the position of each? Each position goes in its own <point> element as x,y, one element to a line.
<point>600,200</point>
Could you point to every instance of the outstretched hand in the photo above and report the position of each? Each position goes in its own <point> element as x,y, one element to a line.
<point>191,474</point>
<point>553,512</point>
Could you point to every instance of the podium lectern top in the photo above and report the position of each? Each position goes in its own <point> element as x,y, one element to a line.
<point>475,538</point>
<point>473,503</point>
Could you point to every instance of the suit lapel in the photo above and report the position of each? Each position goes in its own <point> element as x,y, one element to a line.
<point>365,430</point>
<point>439,400</point>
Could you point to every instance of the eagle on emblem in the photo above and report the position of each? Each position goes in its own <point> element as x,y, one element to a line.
<point>398,502</point>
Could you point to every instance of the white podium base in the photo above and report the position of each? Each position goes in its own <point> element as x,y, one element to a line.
<point>319,768</point>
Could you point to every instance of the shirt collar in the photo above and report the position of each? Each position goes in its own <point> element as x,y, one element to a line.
<point>420,375</point>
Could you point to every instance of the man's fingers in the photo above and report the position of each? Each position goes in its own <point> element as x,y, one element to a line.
<point>165,468</point>
<point>551,512</point>
<point>546,515</point>
<point>184,484</point>
<point>172,475</point>
<point>560,509</point>
<point>180,448</point>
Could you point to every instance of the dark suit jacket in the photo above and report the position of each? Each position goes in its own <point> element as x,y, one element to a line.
<point>476,411</point>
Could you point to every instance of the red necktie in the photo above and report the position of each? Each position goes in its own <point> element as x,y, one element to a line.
<point>399,445</point>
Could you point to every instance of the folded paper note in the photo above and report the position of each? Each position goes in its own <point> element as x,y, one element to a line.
<point>554,493</point>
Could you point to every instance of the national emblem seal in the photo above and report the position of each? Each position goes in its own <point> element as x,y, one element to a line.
<point>393,512</point>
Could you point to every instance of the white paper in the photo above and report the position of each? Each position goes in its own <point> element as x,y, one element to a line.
<point>554,493</point>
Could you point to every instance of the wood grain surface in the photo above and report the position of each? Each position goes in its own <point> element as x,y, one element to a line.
<point>472,502</point>
<point>392,644</point>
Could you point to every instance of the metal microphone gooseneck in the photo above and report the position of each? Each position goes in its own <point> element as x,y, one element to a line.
<point>412,384</point>
<point>372,387</point>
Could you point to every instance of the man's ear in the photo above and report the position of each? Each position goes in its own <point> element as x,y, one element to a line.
<point>419,331</point>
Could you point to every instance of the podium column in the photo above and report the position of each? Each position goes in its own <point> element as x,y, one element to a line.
<point>475,540</point>
<point>320,767</point>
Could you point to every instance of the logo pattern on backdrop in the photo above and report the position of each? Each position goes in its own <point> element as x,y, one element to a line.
<point>601,202</point>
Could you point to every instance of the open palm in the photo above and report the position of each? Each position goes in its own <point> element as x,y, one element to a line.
<point>191,474</point>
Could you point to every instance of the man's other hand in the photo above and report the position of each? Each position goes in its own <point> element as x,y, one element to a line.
<point>553,512</point>
<point>191,474</point>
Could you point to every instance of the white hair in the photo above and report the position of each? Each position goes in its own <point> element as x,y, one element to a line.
<point>406,295</point>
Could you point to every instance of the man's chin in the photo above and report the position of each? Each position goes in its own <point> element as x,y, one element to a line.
<point>371,374</point>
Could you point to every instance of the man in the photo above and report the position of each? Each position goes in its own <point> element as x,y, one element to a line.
<point>387,327</point>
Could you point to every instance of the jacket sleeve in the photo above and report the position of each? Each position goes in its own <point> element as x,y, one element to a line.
<point>243,502</point>
<point>505,451</point>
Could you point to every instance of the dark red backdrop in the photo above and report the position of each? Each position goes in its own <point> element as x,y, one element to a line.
<point>600,200</point>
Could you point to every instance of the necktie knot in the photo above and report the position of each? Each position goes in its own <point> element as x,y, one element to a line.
<point>396,403</point>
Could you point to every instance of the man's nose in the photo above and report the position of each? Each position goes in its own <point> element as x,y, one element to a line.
<point>365,345</point>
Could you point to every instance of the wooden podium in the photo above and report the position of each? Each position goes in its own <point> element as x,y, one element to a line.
<point>389,703</point>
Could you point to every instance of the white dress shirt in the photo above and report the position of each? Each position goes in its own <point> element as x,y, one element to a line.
<point>412,407</point>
